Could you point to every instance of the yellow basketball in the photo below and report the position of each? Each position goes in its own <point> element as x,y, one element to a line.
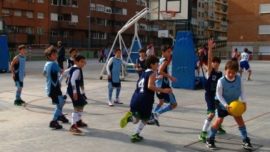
<point>237,108</point>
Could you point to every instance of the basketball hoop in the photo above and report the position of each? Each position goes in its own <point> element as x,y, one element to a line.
<point>168,14</point>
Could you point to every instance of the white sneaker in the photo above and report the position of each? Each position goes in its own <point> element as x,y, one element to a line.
<point>110,103</point>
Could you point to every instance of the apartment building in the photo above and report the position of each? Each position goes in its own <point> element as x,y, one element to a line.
<point>250,27</point>
<point>72,21</point>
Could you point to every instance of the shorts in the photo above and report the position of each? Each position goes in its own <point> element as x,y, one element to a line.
<point>19,84</point>
<point>80,103</point>
<point>114,85</point>
<point>244,65</point>
<point>211,103</point>
<point>221,112</point>
<point>168,98</point>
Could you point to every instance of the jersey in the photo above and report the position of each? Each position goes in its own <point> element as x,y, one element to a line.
<point>52,72</point>
<point>19,68</point>
<point>115,70</point>
<point>143,98</point>
<point>78,83</point>
<point>211,82</point>
<point>141,63</point>
<point>164,82</point>
<point>70,62</point>
<point>231,89</point>
<point>244,56</point>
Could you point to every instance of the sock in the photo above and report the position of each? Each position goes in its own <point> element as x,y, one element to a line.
<point>79,116</point>
<point>212,133</point>
<point>75,118</point>
<point>206,124</point>
<point>110,91</point>
<point>18,93</point>
<point>118,92</point>
<point>157,108</point>
<point>243,132</point>
<point>164,109</point>
<point>139,127</point>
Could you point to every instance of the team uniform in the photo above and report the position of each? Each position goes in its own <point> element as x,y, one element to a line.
<point>141,105</point>
<point>244,64</point>
<point>143,98</point>
<point>19,70</point>
<point>52,71</point>
<point>141,63</point>
<point>210,90</point>
<point>19,73</point>
<point>76,80</point>
<point>228,91</point>
<point>165,83</point>
<point>113,69</point>
<point>70,62</point>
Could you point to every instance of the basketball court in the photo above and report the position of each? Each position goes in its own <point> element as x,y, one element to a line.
<point>25,129</point>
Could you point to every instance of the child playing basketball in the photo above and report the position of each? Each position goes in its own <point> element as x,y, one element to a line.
<point>75,84</point>
<point>140,62</point>
<point>210,90</point>
<point>229,88</point>
<point>113,69</point>
<point>143,99</point>
<point>244,64</point>
<point>18,72</point>
<point>164,82</point>
<point>52,71</point>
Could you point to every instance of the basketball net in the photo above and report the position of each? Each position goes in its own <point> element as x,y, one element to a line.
<point>168,14</point>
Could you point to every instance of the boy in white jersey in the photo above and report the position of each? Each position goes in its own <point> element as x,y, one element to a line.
<point>244,64</point>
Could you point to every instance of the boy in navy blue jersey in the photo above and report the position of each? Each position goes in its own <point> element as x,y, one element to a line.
<point>52,71</point>
<point>18,72</point>
<point>213,74</point>
<point>143,99</point>
<point>113,69</point>
<point>229,88</point>
<point>75,85</point>
<point>140,62</point>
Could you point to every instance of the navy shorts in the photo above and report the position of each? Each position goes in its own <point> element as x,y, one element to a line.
<point>244,65</point>
<point>221,112</point>
<point>211,102</point>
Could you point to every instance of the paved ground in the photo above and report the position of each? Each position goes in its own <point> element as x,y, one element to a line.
<point>25,129</point>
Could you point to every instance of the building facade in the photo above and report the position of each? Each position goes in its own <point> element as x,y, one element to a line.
<point>250,27</point>
<point>78,23</point>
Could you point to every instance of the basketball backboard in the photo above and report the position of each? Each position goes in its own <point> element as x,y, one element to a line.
<point>159,9</point>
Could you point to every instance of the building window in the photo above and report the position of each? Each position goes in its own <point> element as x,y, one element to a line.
<point>5,11</point>
<point>54,17</point>
<point>29,14</point>
<point>264,8</point>
<point>17,13</point>
<point>108,10</point>
<point>124,11</point>
<point>40,1</point>
<point>55,2</point>
<point>40,31</point>
<point>100,8</point>
<point>54,33</point>
<point>92,7</point>
<point>40,15</point>
<point>264,29</point>
<point>74,18</point>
